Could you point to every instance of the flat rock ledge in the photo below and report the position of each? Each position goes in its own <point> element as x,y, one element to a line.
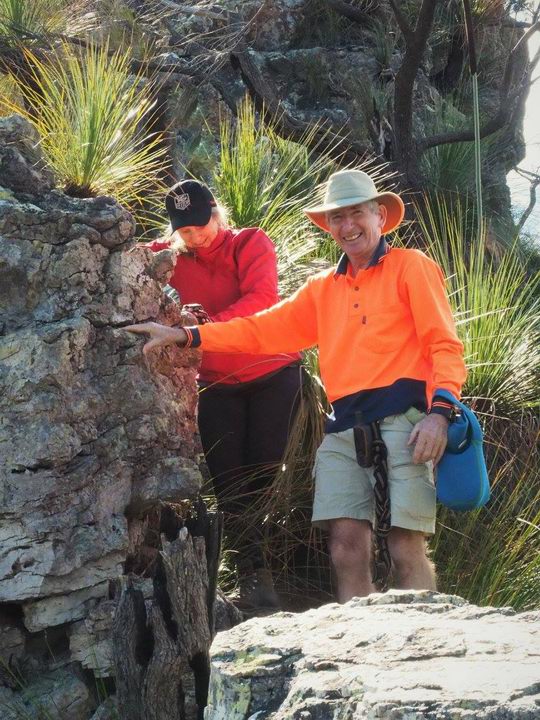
<point>404,655</point>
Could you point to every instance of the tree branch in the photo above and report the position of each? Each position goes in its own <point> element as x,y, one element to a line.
<point>534,180</point>
<point>508,98</point>
<point>415,43</point>
<point>402,22</point>
<point>526,35</point>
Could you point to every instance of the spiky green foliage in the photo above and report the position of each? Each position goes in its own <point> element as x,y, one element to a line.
<point>265,181</point>
<point>497,307</point>
<point>9,89</point>
<point>449,167</point>
<point>383,42</point>
<point>488,10</point>
<point>27,21</point>
<point>23,20</point>
<point>91,115</point>
<point>492,556</point>
<point>131,26</point>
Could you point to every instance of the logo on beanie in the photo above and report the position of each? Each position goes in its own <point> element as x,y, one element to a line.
<point>181,202</point>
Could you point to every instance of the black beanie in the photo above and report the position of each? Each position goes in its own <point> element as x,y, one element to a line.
<point>189,203</point>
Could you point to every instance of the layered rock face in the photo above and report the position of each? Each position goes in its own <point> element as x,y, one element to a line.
<point>400,656</point>
<point>92,435</point>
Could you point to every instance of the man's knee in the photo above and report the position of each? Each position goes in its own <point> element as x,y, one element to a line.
<point>407,548</point>
<point>349,542</point>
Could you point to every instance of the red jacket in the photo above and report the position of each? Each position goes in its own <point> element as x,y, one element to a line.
<point>235,277</point>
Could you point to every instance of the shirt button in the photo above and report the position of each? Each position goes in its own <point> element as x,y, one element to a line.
<point>356,287</point>
<point>355,305</point>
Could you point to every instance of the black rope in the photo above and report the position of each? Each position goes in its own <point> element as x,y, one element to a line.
<point>383,522</point>
<point>372,452</point>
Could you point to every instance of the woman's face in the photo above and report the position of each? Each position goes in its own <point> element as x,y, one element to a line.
<point>199,236</point>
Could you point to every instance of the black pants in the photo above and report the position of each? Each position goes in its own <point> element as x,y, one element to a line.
<point>244,430</point>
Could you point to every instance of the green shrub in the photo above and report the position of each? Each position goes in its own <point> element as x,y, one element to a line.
<point>92,114</point>
<point>265,181</point>
<point>492,556</point>
<point>496,305</point>
<point>24,20</point>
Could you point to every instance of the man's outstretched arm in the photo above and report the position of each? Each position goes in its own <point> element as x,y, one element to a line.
<point>289,326</point>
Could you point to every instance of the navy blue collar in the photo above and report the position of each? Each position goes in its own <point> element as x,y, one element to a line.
<point>380,251</point>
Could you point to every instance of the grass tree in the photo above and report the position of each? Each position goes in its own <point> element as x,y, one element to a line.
<point>22,21</point>
<point>492,556</point>
<point>496,305</point>
<point>93,116</point>
<point>266,180</point>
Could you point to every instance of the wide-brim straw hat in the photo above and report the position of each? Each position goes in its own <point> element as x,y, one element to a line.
<point>351,187</point>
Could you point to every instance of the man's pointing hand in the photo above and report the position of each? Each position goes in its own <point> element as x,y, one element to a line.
<point>160,335</point>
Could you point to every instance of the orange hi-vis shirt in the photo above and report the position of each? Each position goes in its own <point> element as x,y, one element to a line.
<point>386,336</point>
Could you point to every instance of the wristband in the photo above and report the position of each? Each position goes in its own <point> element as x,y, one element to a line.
<point>193,336</point>
<point>444,408</point>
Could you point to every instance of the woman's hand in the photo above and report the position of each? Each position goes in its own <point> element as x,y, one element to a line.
<point>197,310</point>
<point>160,335</point>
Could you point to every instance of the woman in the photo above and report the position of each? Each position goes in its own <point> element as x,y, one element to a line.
<point>246,402</point>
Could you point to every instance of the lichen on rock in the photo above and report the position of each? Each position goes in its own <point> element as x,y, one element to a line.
<point>404,655</point>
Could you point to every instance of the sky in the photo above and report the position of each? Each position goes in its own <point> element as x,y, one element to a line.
<point>519,187</point>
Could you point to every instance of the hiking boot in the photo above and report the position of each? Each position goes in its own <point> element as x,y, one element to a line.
<point>256,593</point>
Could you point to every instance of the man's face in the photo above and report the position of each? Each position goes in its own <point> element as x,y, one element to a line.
<point>357,229</point>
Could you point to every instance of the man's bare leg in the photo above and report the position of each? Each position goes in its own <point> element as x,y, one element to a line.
<point>412,568</point>
<point>349,543</point>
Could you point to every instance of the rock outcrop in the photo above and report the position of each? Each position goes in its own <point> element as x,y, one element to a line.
<point>401,656</point>
<point>93,437</point>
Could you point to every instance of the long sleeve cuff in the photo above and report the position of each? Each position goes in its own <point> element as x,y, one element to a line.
<point>194,336</point>
<point>441,406</point>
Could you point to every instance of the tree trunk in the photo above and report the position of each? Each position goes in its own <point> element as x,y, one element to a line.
<point>161,644</point>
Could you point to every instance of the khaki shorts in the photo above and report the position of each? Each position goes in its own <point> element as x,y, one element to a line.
<point>343,489</point>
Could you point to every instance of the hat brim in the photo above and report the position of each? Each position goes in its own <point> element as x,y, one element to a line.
<point>395,210</point>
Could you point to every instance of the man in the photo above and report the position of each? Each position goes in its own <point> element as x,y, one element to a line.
<point>386,341</point>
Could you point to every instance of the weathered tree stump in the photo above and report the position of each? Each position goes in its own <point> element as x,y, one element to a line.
<point>161,644</point>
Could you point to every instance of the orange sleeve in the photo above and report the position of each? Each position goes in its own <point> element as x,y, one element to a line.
<point>434,323</point>
<point>289,326</point>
